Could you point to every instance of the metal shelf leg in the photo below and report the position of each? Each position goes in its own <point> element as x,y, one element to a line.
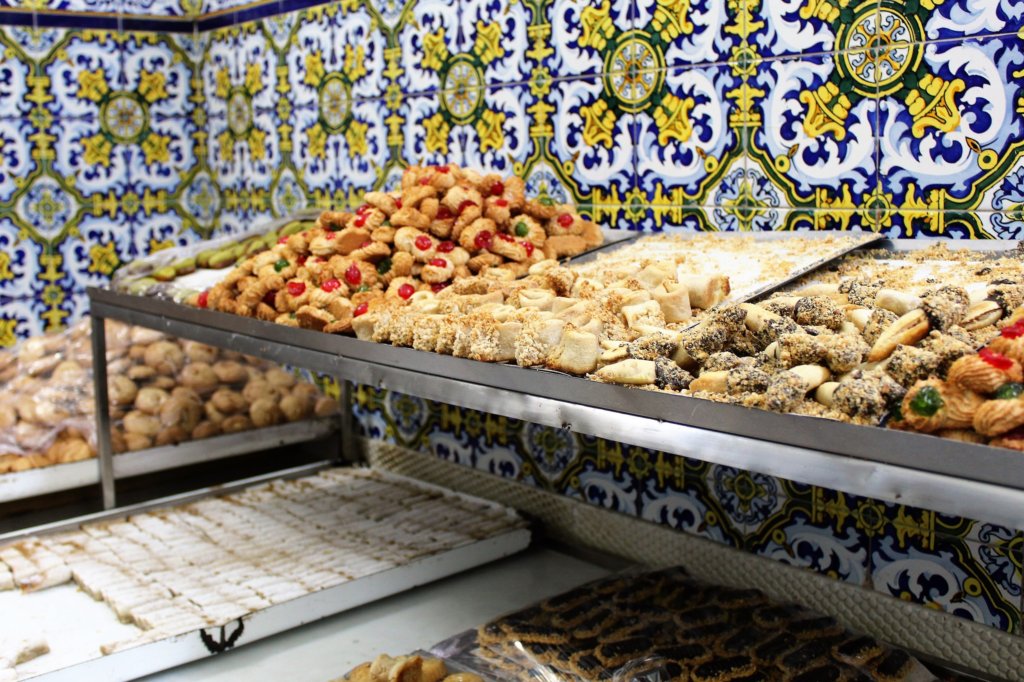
<point>99,373</point>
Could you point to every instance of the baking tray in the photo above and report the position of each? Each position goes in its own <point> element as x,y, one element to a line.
<point>905,468</point>
<point>76,626</point>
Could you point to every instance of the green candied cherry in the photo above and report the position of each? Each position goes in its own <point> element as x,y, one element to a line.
<point>546,201</point>
<point>281,265</point>
<point>384,266</point>
<point>363,288</point>
<point>1009,391</point>
<point>522,229</point>
<point>927,402</point>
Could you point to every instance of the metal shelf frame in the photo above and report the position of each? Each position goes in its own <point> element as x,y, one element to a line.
<point>974,481</point>
<point>152,460</point>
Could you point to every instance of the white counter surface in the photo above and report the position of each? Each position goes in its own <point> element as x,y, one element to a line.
<point>414,620</point>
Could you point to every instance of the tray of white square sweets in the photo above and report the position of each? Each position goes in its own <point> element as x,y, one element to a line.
<point>127,596</point>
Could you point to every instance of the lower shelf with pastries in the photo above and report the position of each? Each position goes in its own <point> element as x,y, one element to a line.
<point>118,596</point>
<point>653,627</point>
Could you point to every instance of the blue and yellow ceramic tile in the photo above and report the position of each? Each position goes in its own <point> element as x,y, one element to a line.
<point>683,138</point>
<point>591,141</point>
<point>19,261</point>
<point>958,18</point>
<point>200,201</point>
<point>830,533</point>
<point>792,27</point>
<point>948,134</point>
<point>585,37</point>
<point>430,51</point>
<point>967,579</point>
<point>812,130</point>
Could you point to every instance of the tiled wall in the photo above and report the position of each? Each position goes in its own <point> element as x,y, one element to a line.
<point>895,115</point>
<point>968,568</point>
<point>127,125</point>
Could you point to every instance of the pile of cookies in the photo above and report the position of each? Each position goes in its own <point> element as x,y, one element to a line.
<point>444,224</point>
<point>164,391</point>
<point>667,626</point>
<point>46,403</point>
<point>406,669</point>
<point>981,397</point>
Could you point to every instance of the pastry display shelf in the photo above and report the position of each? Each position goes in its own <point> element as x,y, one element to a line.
<point>45,480</point>
<point>75,650</point>
<point>897,467</point>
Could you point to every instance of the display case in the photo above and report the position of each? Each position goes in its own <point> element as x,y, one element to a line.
<point>900,467</point>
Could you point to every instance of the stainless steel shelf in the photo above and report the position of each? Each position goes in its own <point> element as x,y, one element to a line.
<point>78,658</point>
<point>220,447</point>
<point>907,468</point>
<point>52,479</point>
<point>43,481</point>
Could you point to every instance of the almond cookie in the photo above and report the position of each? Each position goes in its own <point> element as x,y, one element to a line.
<point>984,372</point>
<point>931,405</point>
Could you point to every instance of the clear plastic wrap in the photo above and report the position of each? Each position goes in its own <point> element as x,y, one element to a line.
<point>664,626</point>
<point>46,401</point>
<point>165,391</point>
<point>162,391</point>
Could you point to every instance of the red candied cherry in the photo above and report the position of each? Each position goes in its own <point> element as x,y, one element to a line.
<point>446,247</point>
<point>368,242</point>
<point>505,237</point>
<point>296,288</point>
<point>994,359</point>
<point>483,239</point>
<point>439,286</point>
<point>360,220</point>
<point>565,220</point>
<point>398,203</point>
<point>423,242</point>
<point>425,181</point>
<point>330,284</point>
<point>406,290</point>
<point>302,259</point>
<point>501,202</point>
<point>442,169</point>
<point>282,239</point>
<point>204,299</point>
<point>465,204</point>
<point>329,234</point>
<point>269,297</point>
<point>497,189</point>
<point>444,213</point>
<point>363,209</point>
<point>353,275</point>
<point>360,309</point>
<point>1014,331</point>
<point>528,246</point>
<point>438,262</point>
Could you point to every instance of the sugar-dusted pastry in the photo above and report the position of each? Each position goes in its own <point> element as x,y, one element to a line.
<point>576,352</point>
<point>932,404</point>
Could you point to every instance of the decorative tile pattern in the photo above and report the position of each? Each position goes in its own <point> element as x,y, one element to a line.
<point>968,568</point>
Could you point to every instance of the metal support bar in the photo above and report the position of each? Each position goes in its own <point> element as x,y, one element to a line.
<point>350,447</point>
<point>105,455</point>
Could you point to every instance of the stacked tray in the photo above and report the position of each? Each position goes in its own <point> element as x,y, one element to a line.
<point>179,582</point>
